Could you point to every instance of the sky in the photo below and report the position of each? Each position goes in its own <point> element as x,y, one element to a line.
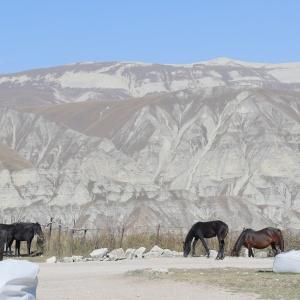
<point>35,33</point>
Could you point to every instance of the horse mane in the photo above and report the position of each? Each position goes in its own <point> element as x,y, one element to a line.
<point>239,242</point>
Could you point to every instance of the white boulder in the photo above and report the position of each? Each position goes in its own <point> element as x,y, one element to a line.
<point>261,254</point>
<point>71,259</point>
<point>154,252</point>
<point>116,254</point>
<point>167,253</point>
<point>177,254</point>
<point>287,262</point>
<point>51,260</point>
<point>139,253</point>
<point>213,253</point>
<point>130,253</point>
<point>99,253</point>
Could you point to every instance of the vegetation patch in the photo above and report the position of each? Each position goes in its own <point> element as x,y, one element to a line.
<point>265,283</point>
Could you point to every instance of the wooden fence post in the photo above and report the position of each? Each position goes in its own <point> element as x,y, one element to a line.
<point>97,243</point>
<point>72,237</point>
<point>50,232</point>
<point>157,235</point>
<point>59,239</point>
<point>84,235</point>
<point>122,235</point>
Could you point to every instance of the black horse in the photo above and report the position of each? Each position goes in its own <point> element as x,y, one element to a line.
<point>202,230</point>
<point>3,241</point>
<point>259,239</point>
<point>26,232</point>
<point>10,232</point>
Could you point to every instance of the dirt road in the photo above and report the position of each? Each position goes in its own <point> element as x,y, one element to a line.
<point>106,280</point>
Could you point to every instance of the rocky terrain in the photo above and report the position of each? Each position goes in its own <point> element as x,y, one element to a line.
<point>141,144</point>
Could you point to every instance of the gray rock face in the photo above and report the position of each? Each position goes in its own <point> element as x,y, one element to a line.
<point>169,144</point>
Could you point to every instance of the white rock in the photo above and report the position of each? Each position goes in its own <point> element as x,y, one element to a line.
<point>67,259</point>
<point>139,253</point>
<point>261,254</point>
<point>130,253</point>
<point>77,258</point>
<point>287,262</point>
<point>177,254</point>
<point>116,254</point>
<point>99,253</point>
<point>151,254</point>
<point>74,258</point>
<point>157,249</point>
<point>245,252</point>
<point>167,253</point>
<point>51,260</point>
<point>213,253</point>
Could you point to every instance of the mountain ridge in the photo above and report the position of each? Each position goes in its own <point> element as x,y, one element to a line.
<point>185,149</point>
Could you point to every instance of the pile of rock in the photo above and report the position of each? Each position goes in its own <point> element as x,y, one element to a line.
<point>131,253</point>
<point>103,254</point>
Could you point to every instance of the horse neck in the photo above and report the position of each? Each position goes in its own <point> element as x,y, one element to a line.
<point>240,241</point>
<point>189,237</point>
<point>38,230</point>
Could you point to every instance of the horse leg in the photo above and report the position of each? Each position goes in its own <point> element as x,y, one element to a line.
<point>194,245</point>
<point>205,246</point>
<point>29,246</point>
<point>275,251</point>
<point>250,251</point>
<point>9,244</point>
<point>17,250</point>
<point>221,250</point>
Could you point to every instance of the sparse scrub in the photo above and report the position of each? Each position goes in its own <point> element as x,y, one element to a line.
<point>67,243</point>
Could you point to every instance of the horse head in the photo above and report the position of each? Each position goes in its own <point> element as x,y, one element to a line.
<point>234,252</point>
<point>186,248</point>
<point>38,230</point>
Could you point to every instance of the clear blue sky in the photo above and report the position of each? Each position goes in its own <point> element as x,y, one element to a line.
<point>36,33</point>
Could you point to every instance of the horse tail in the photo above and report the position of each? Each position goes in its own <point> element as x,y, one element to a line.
<point>239,243</point>
<point>281,240</point>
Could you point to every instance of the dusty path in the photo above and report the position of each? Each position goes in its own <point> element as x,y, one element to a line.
<point>105,280</point>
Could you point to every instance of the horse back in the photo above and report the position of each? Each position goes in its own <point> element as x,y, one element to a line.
<point>210,229</point>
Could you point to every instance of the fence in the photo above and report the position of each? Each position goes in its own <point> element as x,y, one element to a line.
<point>62,239</point>
<point>68,239</point>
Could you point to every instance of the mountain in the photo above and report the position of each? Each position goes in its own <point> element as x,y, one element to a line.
<point>142,144</point>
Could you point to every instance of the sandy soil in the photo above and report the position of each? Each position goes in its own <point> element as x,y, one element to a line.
<point>106,280</point>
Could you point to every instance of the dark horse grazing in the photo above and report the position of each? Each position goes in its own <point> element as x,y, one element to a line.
<point>202,230</point>
<point>26,232</point>
<point>259,239</point>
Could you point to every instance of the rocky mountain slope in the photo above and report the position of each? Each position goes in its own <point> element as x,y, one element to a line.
<point>142,144</point>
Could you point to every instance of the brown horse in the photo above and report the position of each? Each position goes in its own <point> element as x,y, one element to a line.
<point>260,239</point>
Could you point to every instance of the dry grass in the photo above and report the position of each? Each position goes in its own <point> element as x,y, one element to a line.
<point>67,244</point>
<point>266,284</point>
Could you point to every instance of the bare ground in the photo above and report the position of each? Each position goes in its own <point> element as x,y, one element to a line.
<point>109,280</point>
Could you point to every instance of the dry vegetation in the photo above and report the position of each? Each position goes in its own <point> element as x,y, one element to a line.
<point>79,243</point>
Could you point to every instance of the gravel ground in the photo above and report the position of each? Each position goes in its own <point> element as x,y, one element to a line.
<point>107,280</point>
